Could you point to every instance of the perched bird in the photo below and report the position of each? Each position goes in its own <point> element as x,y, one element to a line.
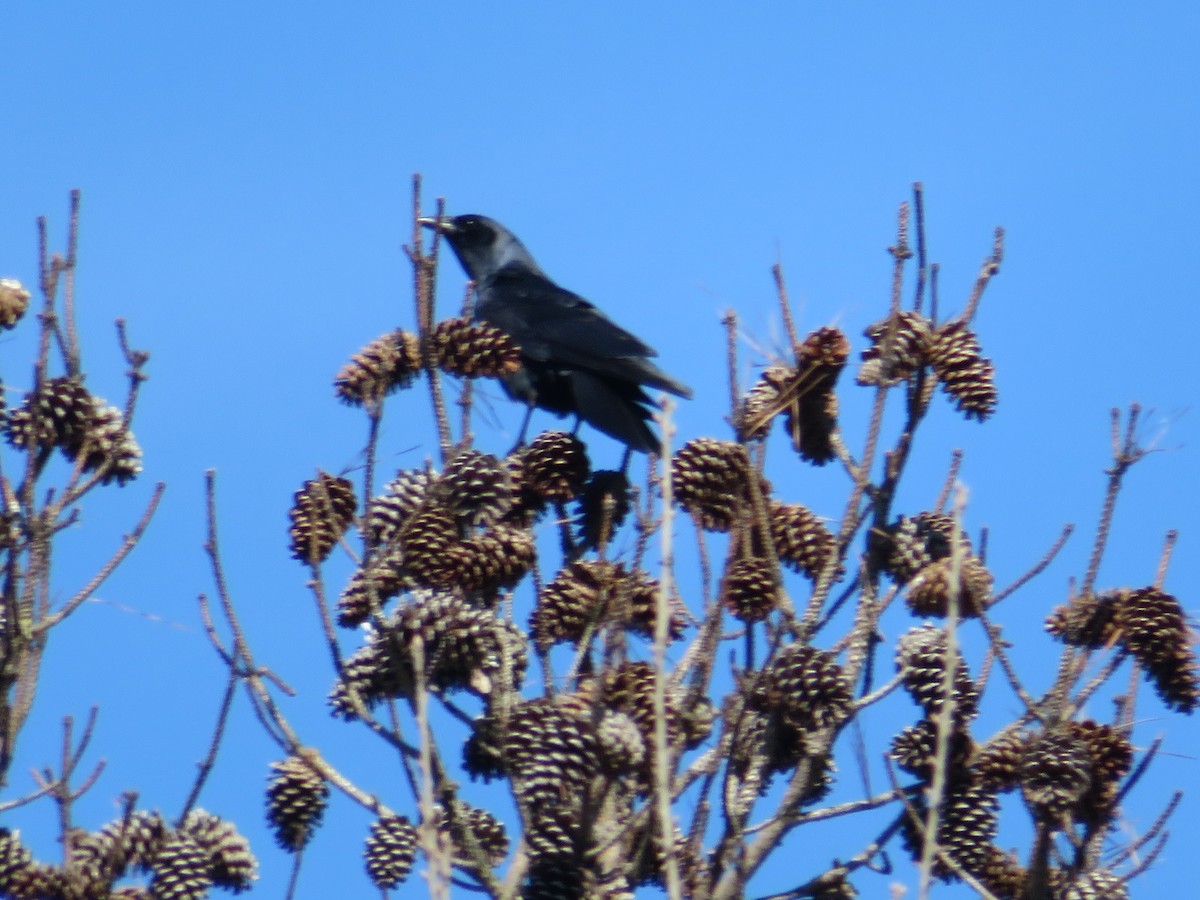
<point>575,360</point>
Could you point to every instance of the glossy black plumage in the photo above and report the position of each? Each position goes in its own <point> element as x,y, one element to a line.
<point>575,360</point>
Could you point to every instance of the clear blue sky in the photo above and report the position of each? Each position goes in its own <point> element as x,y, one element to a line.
<point>246,167</point>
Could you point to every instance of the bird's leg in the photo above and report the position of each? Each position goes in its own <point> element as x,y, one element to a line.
<point>625,460</point>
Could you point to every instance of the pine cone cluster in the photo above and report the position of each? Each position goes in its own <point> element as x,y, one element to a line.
<point>204,852</point>
<point>1147,623</point>
<point>900,346</point>
<point>919,552</point>
<point>906,342</point>
<point>460,646</point>
<point>597,593</point>
<point>62,414</point>
<point>803,393</point>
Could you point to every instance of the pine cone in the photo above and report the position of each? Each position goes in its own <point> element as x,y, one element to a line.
<point>296,799</point>
<point>814,420</point>
<point>603,507</point>
<point>108,446</point>
<point>762,404</point>
<point>997,764</point>
<point>57,415</point>
<point>921,658</point>
<point>181,870</point>
<point>807,687</point>
<point>388,363</point>
<point>382,579</point>
<point>463,647</point>
<point>14,300</point>
<point>751,589</point>
<point>387,513</point>
<point>711,480</point>
<point>965,830</point>
<point>1099,884</point>
<point>931,591</point>
<point>390,850</point>
<point>622,744</point>
<point>94,861</point>
<point>911,544</point>
<point>1055,772</point>
<point>1002,874</point>
<point>802,542</point>
<point>1087,621</point>
<point>965,375</point>
<point>915,749</point>
<point>472,824</point>
<point>139,837</point>
<point>428,538</point>
<point>473,349</point>
<point>496,559</point>
<point>476,487</point>
<point>551,755</point>
<point>554,466</point>
<point>629,689</point>
<point>323,510</point>
<point>1154,630</point>
<point>1111,758</point>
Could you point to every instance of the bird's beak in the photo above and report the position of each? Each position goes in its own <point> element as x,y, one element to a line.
<point>444,225</point>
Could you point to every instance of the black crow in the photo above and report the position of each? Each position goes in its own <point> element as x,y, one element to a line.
<point>575,360</point>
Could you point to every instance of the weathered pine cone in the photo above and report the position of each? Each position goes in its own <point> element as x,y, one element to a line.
<point>711,480</point>
<point>751,589</point>
<point>14,300</point>
<point>965,374</point>
<point>231,864</point>
<point>921,659</point>
<point>296,800</point>
<point>59,414</point>
<point>322,511</point>
<point>589,592</point>
<point>802,542</point>
<point>473,349</point>
<point>388,363</point>
<point>900,345</point>
<point>389,851</point>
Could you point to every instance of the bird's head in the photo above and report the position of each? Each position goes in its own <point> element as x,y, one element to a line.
<point>482,245</point>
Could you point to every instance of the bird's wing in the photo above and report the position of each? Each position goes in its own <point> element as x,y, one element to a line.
<point>552,324</point>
